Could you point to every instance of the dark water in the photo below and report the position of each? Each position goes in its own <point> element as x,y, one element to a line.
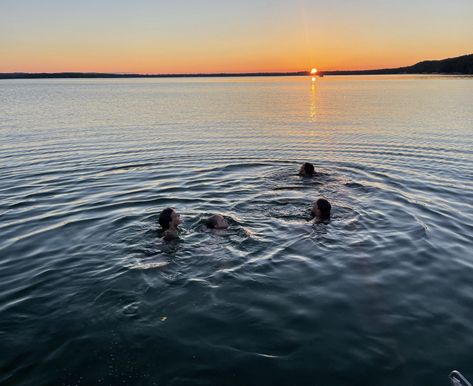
<point>382,295</point>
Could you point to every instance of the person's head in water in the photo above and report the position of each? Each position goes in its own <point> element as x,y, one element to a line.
<point>321,210</point>
<point>216,221</point>
<point>307,170</point>
<point>169,219</point>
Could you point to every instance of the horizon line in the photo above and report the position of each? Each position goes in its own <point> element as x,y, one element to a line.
<point>398,70</point>
<point>222,74</point>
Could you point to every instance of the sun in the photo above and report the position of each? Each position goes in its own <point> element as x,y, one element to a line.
<point>313,71</point>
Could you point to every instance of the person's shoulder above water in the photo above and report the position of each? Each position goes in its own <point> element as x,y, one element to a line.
<point>307,170</point>
<point>321,210</point>
<point>217,221</point>
<point>170,235</point>
<point>169,220</point>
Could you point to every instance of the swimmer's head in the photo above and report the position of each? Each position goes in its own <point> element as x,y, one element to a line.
<point>216,222</point>
<point>321,209</point>
<point>307,170</point>
<point>169,219</point>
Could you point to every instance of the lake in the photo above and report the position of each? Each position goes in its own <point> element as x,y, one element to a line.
<point>380,295</point>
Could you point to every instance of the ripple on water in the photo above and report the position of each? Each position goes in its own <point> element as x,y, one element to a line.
<point>88,288</point>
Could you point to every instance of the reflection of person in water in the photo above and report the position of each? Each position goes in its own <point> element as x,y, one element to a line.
<point>169,221</point>
<point>321,210</point>
<point>307,170</point>
<point>216,221</point>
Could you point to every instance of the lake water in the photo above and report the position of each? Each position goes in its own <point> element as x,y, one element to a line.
<point>381,295</point>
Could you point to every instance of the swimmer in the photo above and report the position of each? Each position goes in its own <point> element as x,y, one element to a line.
<point>169,221</point>
<point>321,210</point>
<point>307,170</point>
<point>216,221</point>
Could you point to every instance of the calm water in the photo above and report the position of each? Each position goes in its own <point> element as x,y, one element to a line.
<point>90,294</point>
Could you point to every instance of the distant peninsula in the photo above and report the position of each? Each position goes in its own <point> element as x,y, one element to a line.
<point>461,65</point>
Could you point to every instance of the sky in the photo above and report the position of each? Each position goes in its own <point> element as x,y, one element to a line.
<point>205,36</point>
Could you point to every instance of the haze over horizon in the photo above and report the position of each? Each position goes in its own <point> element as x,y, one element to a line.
<point>211,36</point>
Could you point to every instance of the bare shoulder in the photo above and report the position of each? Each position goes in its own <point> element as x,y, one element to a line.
<point>169,235</point>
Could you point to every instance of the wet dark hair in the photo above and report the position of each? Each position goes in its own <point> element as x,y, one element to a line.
<point>211,222</point>
<point>165,218</point>
<point>309,169</point>
<point>325,208</point>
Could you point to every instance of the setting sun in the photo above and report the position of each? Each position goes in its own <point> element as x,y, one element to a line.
<point>314,71</point>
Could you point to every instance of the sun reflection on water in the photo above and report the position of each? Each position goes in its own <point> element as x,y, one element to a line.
<point>313,101</point>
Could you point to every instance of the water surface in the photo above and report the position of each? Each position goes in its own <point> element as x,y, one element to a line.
<point>381,295</point>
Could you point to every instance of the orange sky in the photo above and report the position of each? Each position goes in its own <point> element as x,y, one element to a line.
<point>158,37</point>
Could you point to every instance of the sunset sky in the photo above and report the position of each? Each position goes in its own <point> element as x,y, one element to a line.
<point>184,36</point>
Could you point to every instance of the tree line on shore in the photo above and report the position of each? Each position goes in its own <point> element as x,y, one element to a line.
<point>461,65</point>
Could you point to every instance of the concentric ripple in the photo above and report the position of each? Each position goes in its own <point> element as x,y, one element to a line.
<point>380,295</point>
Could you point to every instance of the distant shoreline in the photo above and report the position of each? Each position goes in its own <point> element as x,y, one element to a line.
<point>6,76</point>
<point>462,65</point>
<point>93,75</point>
